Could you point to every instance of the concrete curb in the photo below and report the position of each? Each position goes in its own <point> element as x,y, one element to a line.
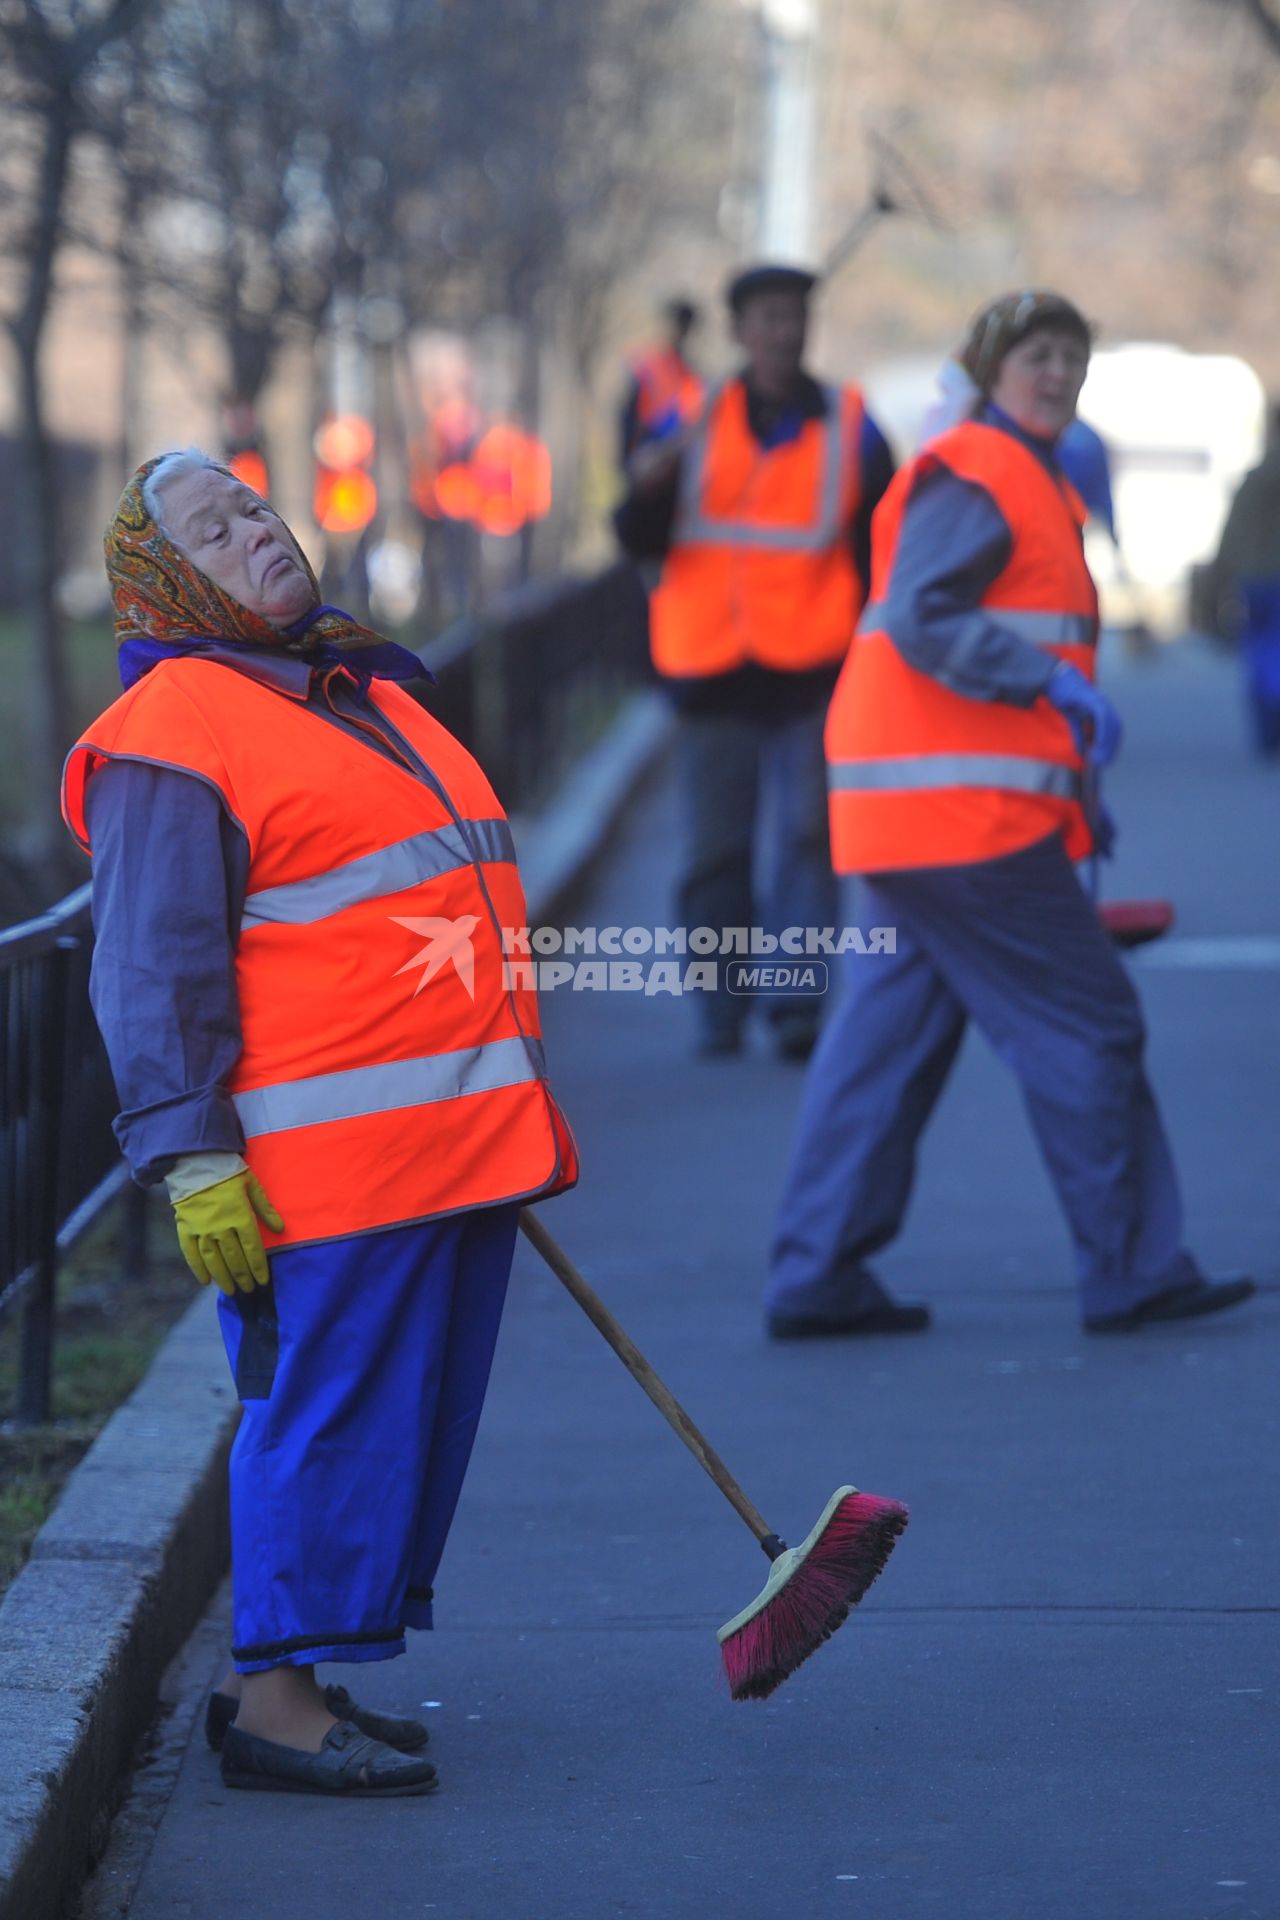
<point>125,1565</point>
<point>117,1577</point>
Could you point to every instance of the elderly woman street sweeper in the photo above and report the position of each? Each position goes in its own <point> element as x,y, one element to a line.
<point>300,887</point>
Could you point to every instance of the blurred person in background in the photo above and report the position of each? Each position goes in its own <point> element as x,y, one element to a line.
<point>760,514</point>
<point>1085,458</point>
<point>1246,579</point>
<point>664,388</point>
<point>344,1117</point>
<point>963,741</point>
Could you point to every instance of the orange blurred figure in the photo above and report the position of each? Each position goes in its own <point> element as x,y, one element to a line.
<point>345,502</point>
<point>513,477</point>
<point>248,465</point>
<point>346,497</point>
<point>344,441</point>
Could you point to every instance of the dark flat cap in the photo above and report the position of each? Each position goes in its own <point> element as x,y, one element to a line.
<point>767,278</point>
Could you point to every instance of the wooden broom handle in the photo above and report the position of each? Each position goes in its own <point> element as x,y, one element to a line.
<point>640,1370</point>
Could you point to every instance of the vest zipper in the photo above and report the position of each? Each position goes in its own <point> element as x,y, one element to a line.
<point>432,780</point>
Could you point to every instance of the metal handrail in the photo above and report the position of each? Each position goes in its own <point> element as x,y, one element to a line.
<point>58,1159</point>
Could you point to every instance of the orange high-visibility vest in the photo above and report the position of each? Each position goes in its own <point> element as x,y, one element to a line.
<point>664,382</point>
<point>390,1071</point>
<point>760,567</point>
<point>920,776</point>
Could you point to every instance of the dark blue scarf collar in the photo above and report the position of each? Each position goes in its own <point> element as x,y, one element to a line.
<point>289,670</point>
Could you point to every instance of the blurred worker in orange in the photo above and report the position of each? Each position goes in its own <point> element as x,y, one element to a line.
<point>242,446</point>
<point>441,483</point>
<point>962,743</point>
<point>761,515</point>
<point>665,389</point>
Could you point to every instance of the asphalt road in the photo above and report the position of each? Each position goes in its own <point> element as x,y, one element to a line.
<point>1061,1699</point>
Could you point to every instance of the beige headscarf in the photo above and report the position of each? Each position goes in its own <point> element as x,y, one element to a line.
<point>1008,320</point>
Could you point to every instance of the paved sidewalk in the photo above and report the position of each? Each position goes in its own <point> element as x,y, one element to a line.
<point>1060,1701</point>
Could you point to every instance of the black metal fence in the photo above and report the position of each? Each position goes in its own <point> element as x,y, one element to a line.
<point>530,679</point>
<point>59,1164</point>
<point>526,685</point>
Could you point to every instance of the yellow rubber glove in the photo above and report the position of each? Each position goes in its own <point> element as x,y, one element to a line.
<point>219,1235</point>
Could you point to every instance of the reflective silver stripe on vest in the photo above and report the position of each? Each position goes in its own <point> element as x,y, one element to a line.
<point>1041,629</point>
<point>390,870</point>
<point>383,1089</point>
<point>924,772</point>
<point>695,524</point>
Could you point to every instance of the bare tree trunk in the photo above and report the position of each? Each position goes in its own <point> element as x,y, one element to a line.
<point>51,726</point>
<point>134,328</point>
<point>1267,20</point>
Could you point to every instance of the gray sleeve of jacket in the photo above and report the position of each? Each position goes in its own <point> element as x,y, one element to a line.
<point>169,875</point>
<point>953,543</point>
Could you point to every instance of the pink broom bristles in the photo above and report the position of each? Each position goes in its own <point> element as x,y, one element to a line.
<point>810,1591</point>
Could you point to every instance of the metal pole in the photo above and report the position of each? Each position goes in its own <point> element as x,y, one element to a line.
<point>35,1376</point>
<point>787,220</point>
<point>136,1206</point>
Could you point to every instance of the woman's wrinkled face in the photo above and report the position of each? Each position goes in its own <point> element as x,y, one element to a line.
<point>1040,379</point>
<point>239,543</point>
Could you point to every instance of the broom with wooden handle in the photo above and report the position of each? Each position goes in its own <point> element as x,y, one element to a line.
<point>810,1588</point>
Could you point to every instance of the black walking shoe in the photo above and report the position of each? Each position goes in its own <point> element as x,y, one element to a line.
<point>349,1763</point>
<point>407,1736</point>
<point>1175,1303</point>
<point>889,1318</point>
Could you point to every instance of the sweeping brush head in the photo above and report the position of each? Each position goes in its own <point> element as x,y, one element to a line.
<point>809,1592</point>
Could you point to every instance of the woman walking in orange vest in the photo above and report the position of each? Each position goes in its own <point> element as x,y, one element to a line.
<point>957,744</point>
<point>300,886</point>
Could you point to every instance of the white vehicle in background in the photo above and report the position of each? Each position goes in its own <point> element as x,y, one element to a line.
<point>1182,430</point>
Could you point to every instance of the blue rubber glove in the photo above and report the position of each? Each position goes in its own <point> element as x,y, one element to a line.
<point>1097,727</point>
<point>665,425</point>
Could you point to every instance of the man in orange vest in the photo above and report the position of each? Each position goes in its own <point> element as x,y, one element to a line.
<point>664,388</point>
<point>761,514</point>
<point>301,884</point>
<point>963,745</point>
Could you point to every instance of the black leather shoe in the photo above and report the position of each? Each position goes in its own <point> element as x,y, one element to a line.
<point>407,1736</point>
<point>1175,1303</point>
<point>348,1764</point>
<point>889,1318</point>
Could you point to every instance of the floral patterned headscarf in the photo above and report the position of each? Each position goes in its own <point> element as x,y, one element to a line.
<point>158,595</point>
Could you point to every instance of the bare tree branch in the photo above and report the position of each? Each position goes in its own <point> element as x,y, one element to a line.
<point>1266,20</point>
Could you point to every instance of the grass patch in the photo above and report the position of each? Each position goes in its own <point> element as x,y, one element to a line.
<point>109,1326</point>
<point>33,1469</point>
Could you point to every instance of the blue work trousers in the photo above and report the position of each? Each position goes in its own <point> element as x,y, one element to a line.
<point>742,780</point>
<point>362,1369</point>
<point>1015,945</point>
